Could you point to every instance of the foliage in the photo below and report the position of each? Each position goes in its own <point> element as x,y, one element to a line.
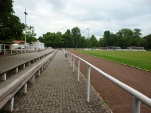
<point>41,39</point>
<point>12,29</point>
<point>94,41</point>
<point>82,42</point>
<point>125,38</point>
<point>147,41</point>
<point>76,35</point>
<point>30,34</point>
<point>107,38</point>
<point>67,39</point>
<point>10,26</point>
<point>54,40</point>
<point>72,39</point>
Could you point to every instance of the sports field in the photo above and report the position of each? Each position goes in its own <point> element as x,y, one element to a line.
<point>140,59</point>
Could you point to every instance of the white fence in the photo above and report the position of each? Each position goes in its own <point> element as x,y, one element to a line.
<point>137,96</point>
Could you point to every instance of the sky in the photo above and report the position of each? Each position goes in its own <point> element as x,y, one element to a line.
<point>97,15</point>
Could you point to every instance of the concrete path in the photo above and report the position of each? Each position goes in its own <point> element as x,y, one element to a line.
<point>58,91</point>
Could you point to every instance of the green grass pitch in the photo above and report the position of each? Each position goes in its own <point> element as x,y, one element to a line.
<point>140,59</point>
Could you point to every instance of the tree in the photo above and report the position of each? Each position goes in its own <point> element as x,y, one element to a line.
<point>76,34</point>
<point>82,42</point>
<point>94,41</point>
<point>6,7</point>
<point>137,36</point>
<point>113,40</point>
<point>123,38</point>
<point>58,41</point>
<point>107,38</point>
<point>137,33</point>
<point>101,42</point>
<point>88,42</point>
<point>30,34</point>
<point>41,39</point>
<point>67,39</point>
<point>48,39</point>
<point>54,40</point>
<point>147,40</point>
<point>10,26</point>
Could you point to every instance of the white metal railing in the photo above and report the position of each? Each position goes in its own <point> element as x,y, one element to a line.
<point>137,96</point>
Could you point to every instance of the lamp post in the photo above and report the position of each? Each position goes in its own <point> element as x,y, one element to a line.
<point>88,35</point>
<point>76,42</point>
<point>25,28</point>
<point>88,31</point>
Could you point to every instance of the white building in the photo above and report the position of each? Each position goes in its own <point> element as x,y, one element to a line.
<point>0,47</point>
<point>38,45</point>
<point>18,44</point>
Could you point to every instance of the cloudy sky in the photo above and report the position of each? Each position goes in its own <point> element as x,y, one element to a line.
<point>97,15</point>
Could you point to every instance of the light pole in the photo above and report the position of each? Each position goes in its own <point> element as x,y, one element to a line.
<point>88,31</point>
<point>76,42</point>
<point>88,35</point>
<point>25,27</point>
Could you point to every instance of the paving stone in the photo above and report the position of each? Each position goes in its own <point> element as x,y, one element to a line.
<point>58,91</point>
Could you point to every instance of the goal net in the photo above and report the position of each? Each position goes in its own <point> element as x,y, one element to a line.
<point>135,48</point>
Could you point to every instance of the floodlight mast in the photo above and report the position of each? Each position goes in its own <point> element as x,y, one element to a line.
<point>25,27</point>
<point>88,35</point>
<point>88,31</point>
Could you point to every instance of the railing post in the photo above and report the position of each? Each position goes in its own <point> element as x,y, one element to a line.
<point>16,70</point>
<point>73,62</point>
<point>88,84</point>
<point>10,105</point>
<point>5,50</point>
<point>78,68</point>
<point>23,90</point>
<point>28,63</point>
<point>38,72</point>
<point>24,66</point>
<point>136,105</point>
<point>3,77</point>
<point>32,79</point>
<point>70,59</point>
<point>42,68</point>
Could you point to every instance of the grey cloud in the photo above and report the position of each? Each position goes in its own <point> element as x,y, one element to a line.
<point>98,15</point>
<point>57,4</point>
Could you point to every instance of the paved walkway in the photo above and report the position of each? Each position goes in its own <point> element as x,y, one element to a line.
<point>58,91</point>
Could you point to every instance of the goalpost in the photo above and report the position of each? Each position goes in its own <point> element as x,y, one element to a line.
<point>136,48</point>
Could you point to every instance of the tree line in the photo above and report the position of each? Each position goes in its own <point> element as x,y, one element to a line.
<point>70,39</point>
<point>126,38</point>
<point>73,39</point>
<point>12,29</point>
<point>10,26</point>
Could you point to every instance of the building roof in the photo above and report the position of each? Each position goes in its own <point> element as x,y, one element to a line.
<point>18,41</point>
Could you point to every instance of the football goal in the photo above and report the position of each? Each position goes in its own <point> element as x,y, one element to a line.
<point>136,48</point>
